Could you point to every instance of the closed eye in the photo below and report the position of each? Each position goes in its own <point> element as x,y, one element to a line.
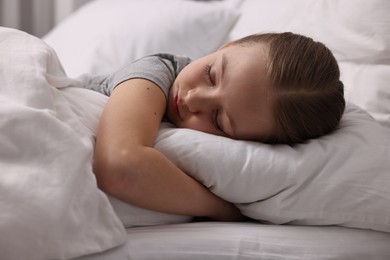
<point>209,76</point>
<point>215,121</point>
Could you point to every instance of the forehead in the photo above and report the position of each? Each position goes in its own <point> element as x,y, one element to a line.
<point>248,95</point>
<point>252,58</point>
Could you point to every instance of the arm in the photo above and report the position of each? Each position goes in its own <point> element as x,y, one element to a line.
<point>129,168</point>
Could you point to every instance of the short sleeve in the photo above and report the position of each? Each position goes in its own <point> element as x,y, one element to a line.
<point>161,69</point>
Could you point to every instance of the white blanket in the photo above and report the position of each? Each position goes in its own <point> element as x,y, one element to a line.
<point>50,206</point>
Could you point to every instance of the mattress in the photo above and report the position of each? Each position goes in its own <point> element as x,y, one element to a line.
<point>239,241</point>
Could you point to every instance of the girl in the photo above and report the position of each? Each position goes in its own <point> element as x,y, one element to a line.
<point>274,88</point>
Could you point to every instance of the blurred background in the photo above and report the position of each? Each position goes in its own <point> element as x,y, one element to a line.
<point>36,17</point>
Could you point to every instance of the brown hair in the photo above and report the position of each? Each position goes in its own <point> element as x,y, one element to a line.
<point>306,79</point>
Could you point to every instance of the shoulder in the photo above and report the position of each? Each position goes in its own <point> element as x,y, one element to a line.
<point>173,63</point>
<point>162,69</point>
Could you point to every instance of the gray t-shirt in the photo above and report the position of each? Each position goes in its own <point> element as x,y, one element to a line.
<point>161,69</point>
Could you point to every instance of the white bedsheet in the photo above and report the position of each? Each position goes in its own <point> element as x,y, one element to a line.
<point>244,241</point>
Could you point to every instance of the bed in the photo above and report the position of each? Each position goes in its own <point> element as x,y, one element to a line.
<point>325,199</point>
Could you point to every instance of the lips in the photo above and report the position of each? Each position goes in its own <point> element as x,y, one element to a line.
<point>176,103</point>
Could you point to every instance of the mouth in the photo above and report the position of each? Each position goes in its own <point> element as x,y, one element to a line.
<point>176,103</point>
<point>173,111</point>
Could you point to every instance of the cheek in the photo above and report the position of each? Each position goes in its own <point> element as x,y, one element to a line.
<point>198,123</point>
<point>190,74</point>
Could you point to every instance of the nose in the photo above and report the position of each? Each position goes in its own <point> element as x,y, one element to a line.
<point>199,100</point>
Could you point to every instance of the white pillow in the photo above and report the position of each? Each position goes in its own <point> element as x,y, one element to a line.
<point>104,35</point>
<point>339,179</point>
<point>368,86</point>
<point>356,31</point>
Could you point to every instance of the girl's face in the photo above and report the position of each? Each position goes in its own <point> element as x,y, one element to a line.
<point>225,93</point>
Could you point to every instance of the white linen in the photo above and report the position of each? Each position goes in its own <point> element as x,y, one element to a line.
<point>50,205</point>
<point>321,179</point>
<point>339,179</point>
<point>247,241</point>
<point>356,31</point>
<point>47,214</point>
<point>104,35</point>
<point>368,86</point>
